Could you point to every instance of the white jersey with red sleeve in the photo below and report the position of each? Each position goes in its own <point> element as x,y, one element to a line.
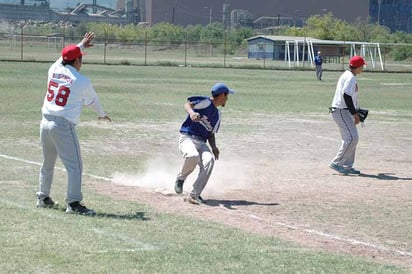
<point>67,92</point>
<point>347,84</point>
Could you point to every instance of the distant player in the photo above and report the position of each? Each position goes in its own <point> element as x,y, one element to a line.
<point>67,92</point>
<point>344,112</point>
<point>318,66</point>
<point>200,126</point>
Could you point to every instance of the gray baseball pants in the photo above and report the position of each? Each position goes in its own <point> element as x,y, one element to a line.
<point>350,138</point>
<point>319,71</point>
<point>58,137</point>
<point>195,152</point>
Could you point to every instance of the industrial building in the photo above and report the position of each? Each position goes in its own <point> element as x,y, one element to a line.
<point>395,14</point>
<point>128,13</point>
<point>260,13</point>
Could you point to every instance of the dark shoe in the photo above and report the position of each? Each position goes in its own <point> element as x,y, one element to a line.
<point>46,203</point>
<point>77,207</point>
<point>336,167</point>
<point>201,200</point>
<point>179,186</point>
<point>195,200</point>
<point>351,171</point>
<point>340,169</point>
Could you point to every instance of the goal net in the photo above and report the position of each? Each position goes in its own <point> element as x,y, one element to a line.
<point>50,42</point>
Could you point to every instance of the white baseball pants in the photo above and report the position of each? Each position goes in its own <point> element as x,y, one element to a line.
<point>350,138</point>
<point>195,152</point>
<point>58,137</point>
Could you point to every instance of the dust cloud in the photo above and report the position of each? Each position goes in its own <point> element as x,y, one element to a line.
<point>159,175</point>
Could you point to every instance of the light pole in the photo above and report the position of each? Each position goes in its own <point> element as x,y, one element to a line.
<point>379,11</point>
<point>210,14</point>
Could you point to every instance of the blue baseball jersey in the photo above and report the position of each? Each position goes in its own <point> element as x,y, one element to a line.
<point>209,122</point>
<point>318,60</point>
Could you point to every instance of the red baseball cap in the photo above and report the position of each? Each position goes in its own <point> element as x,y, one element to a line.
<point>71,52</point>
<point>357,61</point>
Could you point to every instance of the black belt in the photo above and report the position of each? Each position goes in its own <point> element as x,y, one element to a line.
<point>333,109</point>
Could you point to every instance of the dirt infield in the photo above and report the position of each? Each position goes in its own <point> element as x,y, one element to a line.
<point>274,180</point>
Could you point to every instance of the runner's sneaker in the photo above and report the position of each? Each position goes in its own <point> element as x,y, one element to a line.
<point>351,171</point>
<point>179,186</point>
<point>340,169</point>
<point>336,167</point>
<point>46,203</point>
<point>195,200</point>
<point>201,199</point>
<point>77,207</point>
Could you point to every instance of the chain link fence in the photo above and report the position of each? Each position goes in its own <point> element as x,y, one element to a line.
<point>22,47</point>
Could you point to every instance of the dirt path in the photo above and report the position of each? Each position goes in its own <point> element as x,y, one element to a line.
<point>275,181</point>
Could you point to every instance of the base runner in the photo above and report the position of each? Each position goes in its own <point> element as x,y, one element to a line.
<point>200,126</point>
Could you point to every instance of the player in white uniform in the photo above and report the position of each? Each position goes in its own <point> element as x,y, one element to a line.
<point>344,112</point>
<point>67,92</point>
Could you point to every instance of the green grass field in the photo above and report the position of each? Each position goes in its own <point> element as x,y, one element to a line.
<point>146,105</point>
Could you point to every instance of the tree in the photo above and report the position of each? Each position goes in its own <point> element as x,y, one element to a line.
<point>193,33</point>
<point>212,33</point>
<point>321,27</point>
<point>296,31</point>
<point>166,34</point>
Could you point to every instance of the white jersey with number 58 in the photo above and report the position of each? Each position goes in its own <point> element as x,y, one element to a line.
<point>67,92</point>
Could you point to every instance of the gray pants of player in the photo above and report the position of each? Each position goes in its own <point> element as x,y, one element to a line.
<point>195,152</point>
<point>319,71</point>
<point>58,137</point>
<point>350,138</point>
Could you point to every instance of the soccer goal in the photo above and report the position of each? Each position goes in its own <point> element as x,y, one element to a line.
<point>50,42</point>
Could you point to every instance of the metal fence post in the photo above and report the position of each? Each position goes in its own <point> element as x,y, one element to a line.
<point>224,51</point>
<point>186,41</point>
<point>145,48</point>
<point>105,44</point>
<point>21,42</point>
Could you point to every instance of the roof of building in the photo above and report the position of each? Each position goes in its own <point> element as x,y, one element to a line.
<point>301,39</point>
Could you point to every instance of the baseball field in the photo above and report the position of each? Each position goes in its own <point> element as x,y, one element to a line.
<point>273,205</point>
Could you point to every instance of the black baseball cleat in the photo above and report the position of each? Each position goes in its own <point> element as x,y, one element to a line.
<point>78,208</point>
<point>195,200</point>
<point>47,203</point>
<point>201,199</point>
<point>351,171</point>
<point>179,186</point>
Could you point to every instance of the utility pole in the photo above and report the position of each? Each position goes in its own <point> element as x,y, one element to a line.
<point>379,11</point>
<point>94,6</point>
<point>210,14</point>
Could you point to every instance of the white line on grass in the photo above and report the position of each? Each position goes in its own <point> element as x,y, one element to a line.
<point>59,168</point>
<point>252,216</point>
<point>331,236</point>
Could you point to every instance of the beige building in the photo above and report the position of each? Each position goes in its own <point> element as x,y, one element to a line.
<point>186,12</point>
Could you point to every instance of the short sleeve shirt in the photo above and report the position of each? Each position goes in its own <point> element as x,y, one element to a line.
<point>209,122</point>
<point>67,92</point>
<point>347,84</point>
